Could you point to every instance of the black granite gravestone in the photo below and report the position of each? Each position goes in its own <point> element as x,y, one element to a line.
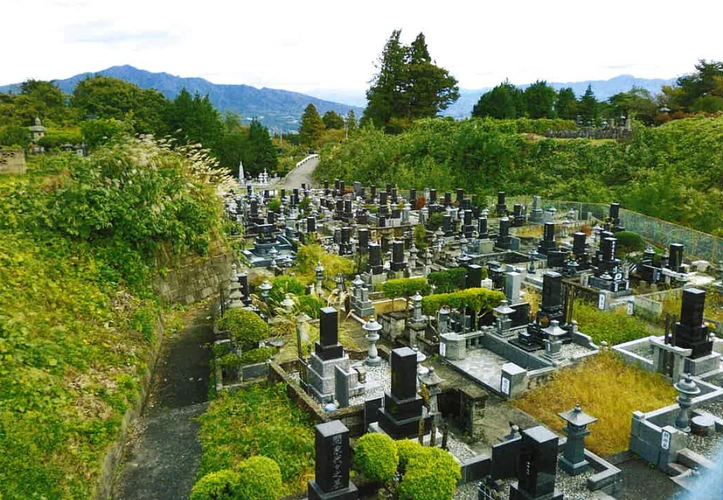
<point>447,225</point>
<point>447,198</point>
<point>413,198</point>
<point>432,196</point>
<point>548,239</point>
<point>328,346</point>
<point>482,228</point>
<point>363,237</point>
<point>403,406</point>
<point>375,259</point>
<point>691,332</point>
<point>331,464</point>
<point>536,466</point>
<point>460,195</point>
<point>501,204</point>
<point>675,252</point>
<point>398,263</point>
<point>503,238</point>
<point>473,278</point>
<point>310,224</point>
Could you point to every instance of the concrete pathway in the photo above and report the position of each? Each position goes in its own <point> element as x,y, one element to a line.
<point>163,453</point>
<point>299,175</point>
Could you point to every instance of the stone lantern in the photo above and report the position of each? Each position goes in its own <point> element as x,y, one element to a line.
<point>443,320</point>
<point>573,460</point>
<point>553,340</point>
<point>319,269</point>
<point>432,381</point>
<point>372,328</point>
<point>288,303</point>
<point>686,388</point>
<point>503,313</point>
<point>265,288</point>
<point>416,307</point>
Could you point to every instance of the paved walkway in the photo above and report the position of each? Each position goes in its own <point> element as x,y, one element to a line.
<point>163,453</point>
<point>299,175</point>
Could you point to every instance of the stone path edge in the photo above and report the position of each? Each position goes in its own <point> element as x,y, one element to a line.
<point>113,459</point>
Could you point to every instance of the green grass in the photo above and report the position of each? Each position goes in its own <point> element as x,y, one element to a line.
<point>607,389</point>
<point>258,420</point>
<point>613,327</point>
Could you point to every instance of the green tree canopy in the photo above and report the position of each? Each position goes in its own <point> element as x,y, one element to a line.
<point>312,127</point>
<point>193,119</point>
<point>503,101</point>
<point>638,102</point>
<point>705,81</point>
<point>260,152</point>
<point>351,124</point>
<point>332,120</point>
<point>566,104</point>
<point>588,106</point>
<point>540,100</point>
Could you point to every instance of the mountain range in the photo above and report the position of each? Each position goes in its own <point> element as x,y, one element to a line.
<point>282,109</point>
<point>275,108</point>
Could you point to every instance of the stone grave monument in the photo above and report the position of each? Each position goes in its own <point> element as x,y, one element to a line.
<point>332,461</point>
<point>328,354</point>
<point>536,466</point>
<point>402,406</point>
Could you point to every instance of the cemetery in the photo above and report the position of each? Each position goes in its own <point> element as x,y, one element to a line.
<point>403,327</point>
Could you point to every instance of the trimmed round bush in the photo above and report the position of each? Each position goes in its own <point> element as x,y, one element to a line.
<point>629,242</point>
<point>286,284</point>
<point>408,449</point>
<point>375,455</point>
<point>259,478</point>
<point>431,475</point>
<point>258,355</point>
<point>216,486</point>
<point>245,327</point>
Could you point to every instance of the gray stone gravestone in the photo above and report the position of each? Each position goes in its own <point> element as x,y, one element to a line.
<point>332,461</point>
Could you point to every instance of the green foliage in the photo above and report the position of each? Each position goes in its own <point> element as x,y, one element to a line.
<point>419,236</point>
<point>587,108</point>
<point>245,327</point>
<point>258,421</point>
<point>138,193</point>
<point>672,172</point>
<point>259,479</point>
<point>566,104</point>
<point>74,336</point>
<point>219,485</point>
<point>407,86</point>
<point>258,355</point>
<point>430,475</point>
<point>312,127</point>
<point>405,287</point>
<point>103,130</point>
<point>697,91</point>
<point>286,284</point>
<point>450,280</point>
<point>193,119</point>
<point>55,139</point>
<point>408,449</point>
<point>614,327</point>
<point>15,135</point>
<point>539,100</point>
<point>478,299</point>
<point>375,455</point>
<point>311,305</point>
<point>259,152</point>
<point>628,242</point>
<point>308,257</point>
<point>332,120</point>
<point>434,222</point>
<point>274,205</point>
<point>503,101</point>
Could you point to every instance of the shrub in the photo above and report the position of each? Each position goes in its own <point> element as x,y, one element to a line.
<point>311,305</point>
<point>284,285</point>
<point>259,478</point>
<point>408,449</point>
<point>477,299</point>
<point>430,475</point>
<point>216,486</point>
<point>451,280</point>
<point>405,287</point>
<point>258,355</point>
<point>245,327</point>
<point>375,455</point>
<point>614,327</point>
<point>434,222</point>
<point>274,205</point>
<point>629,242</point>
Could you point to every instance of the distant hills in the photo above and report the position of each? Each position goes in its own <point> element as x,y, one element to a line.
<point>283,109</point>
<point>275,108</point>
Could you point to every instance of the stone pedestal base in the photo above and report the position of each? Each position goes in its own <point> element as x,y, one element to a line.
<point>517,494</point>
<point>400,419</point>
<point>348,493</point>
<point>573,468</point>
<point>321,376</point>
<point>702,365</point>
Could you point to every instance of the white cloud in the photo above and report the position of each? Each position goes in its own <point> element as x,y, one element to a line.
<point>331,44</point>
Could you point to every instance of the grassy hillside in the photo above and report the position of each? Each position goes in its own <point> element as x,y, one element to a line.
<point>77,315</point>
<point>674,172</point>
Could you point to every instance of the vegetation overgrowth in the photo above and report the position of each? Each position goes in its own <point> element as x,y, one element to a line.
<point>613,327</point>
<point>77,314</point>
<point>258,420</point>
<point>596,385</point>
<point>674,172</point>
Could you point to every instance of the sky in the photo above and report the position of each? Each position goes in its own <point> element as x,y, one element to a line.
<point>305,46</point>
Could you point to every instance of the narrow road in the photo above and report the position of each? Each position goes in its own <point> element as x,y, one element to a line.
<point>163,454</point>
<point>299,175</point>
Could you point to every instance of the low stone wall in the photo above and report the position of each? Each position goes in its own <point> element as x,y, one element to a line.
<point>194,278</point>
<point>114,454</point>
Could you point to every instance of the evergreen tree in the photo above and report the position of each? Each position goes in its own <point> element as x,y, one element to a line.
<point>194,120</point>
<point>385,97</point>
<point>260,152</point>
<point>566,104</point>
<point>430,88</point>
<point>312,127</point>
<point>503,101</point>
<point>588,107</point>
<point>350,121</point>
<point>540,100</point>
<point>332,120</point>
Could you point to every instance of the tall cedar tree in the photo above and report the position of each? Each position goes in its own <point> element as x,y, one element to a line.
<point>587,108</point>
<point>408,85</point>
<point>350,121</point>
<point>194,120</point>
<point>312,127</point>
<point>260,152</point>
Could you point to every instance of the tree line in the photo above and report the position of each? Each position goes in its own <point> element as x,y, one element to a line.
<point>101,108</point>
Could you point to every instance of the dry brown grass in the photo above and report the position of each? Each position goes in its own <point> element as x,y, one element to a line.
<point>607,389</point>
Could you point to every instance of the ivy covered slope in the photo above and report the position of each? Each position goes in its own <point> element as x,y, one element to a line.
<point>674,171</point>
<point>77,315</point>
